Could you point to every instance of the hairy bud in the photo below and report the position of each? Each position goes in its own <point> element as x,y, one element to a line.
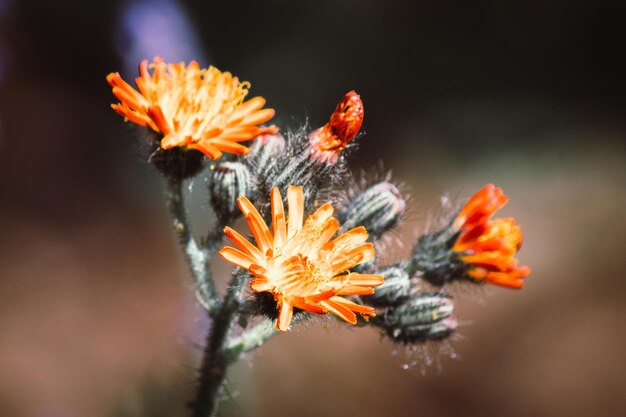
<point>231,180</point>
<point>394,290</point>
<point>265,153</point>
<point>426,317</point>
<point>433,259</point>
<point>379,207</point>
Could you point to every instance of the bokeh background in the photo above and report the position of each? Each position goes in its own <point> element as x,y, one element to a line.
<point>97,317</point>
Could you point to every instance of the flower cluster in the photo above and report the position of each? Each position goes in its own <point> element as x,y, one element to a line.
<point>311,263</point>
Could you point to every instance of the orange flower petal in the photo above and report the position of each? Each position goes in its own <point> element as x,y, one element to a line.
<point>295,200</point>
<point>131,115</point>
<point>319,217</point>
<point>258,117</point>
<point>481,206</point>
<point>284,316</point>
<point>257,225</point>
<point>229,146</point>
<point>494,260</point>
<point>346,241</point>
<point>257,270</point>
<point>240,133</point>
<point>237,257</point>
<point>347,260</point>
<point>511,279</point>
<point>244,109</point>
<point>207,149</point>
<point>355,290</point>
<point>279,225</point>
<point>243,244</point>
<point>260,284</point>
<point>357,308</point>
<point>366,279</point>
<point>340,311</point>
<point>320,297</point>
<point>311,307</point>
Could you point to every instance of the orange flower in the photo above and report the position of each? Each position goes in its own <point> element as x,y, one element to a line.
<point>489,245</point>
<point>193,108</point>
<point>328,141</point>
<point>299,264</point>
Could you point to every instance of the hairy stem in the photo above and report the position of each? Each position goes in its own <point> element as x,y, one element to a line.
<point>251,339</point>
<point>255,337</point>
<point>216,358</point>
<point>214,238</point>
<point>197,258</point>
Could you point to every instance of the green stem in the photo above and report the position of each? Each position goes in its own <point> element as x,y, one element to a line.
<point>197,258</point>
<point>251,339</point>
<point>256,336</point>
<point>216,358</point>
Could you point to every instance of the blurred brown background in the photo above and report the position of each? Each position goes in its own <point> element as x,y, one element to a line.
<point>97,317</point>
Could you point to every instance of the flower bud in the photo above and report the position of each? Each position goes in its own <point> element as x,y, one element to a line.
<point>379,207</point>
<point>231,180</point>
<point>473,246</point>
<point>395,288</point>
<point>426,317</point>
<point>265,152</point>
<point>434,260</point>
<point>327,142</point>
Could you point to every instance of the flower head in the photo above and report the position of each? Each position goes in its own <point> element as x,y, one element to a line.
<point>193,108</point>
<point>299,263</point>
<point>489,246</point>
<point>328,141</point>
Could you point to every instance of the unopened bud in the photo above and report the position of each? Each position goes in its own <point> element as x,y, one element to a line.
<point>379,207</point>
<point>434,260</point>
<point>426,317</point>
<point>231,180</point>
<point>328,141</point>
<point>265,152</point>
<point>395,288</point>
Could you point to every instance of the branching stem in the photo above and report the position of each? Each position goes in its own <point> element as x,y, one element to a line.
<point>219,354</point>
<point>197,257</point>
<point>250,339</point>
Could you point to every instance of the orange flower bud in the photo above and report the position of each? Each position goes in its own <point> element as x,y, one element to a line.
<point>328,141</point>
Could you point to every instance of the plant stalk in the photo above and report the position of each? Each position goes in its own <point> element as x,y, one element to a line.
<point>216,358</point>
<point>197,258</point>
